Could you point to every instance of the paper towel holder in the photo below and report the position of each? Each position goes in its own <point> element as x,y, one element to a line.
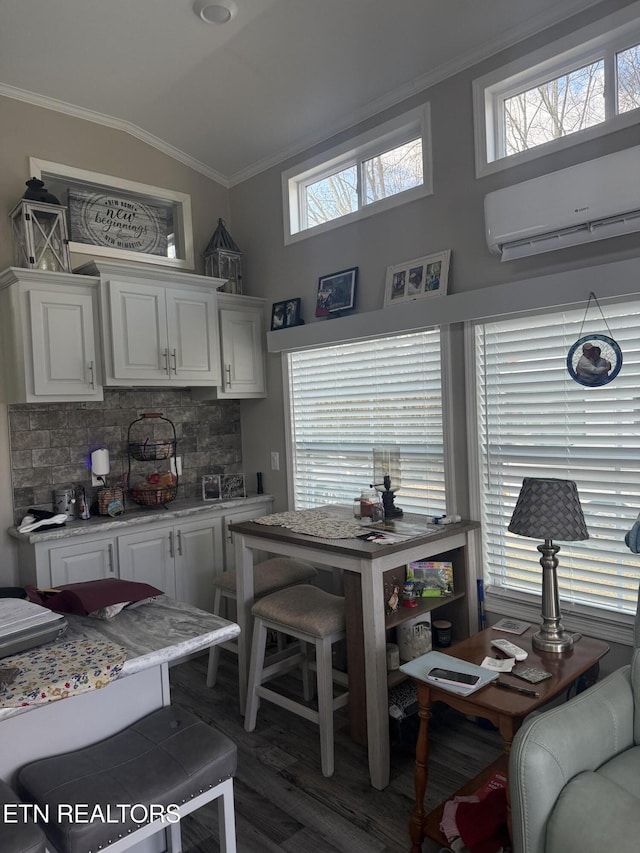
<point>99,466</point>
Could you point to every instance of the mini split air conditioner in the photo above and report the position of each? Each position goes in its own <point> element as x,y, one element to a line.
<point>587,202</point>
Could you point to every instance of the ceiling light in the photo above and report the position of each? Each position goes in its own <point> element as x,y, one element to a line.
<point>215,13</point>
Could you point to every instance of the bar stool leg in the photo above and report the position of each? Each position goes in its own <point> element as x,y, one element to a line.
<point>258,649</point>
<point>325,704</point>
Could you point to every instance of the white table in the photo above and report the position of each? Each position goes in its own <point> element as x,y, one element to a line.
<point>364,564</point>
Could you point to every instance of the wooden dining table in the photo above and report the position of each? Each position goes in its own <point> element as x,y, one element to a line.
<point>363,565</point>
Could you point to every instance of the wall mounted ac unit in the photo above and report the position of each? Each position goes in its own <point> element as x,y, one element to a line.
<point>590,201</point>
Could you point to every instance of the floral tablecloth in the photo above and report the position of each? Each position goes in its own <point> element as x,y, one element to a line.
<point>58,670</point>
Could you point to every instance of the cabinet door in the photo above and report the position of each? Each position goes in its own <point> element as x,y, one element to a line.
<point>242,353</point>
<point>86,561</point>
<point>193,337</point>
<point>138,333</point>
<point>199,557</point>
<point>148,557</point>
<point>63,344</point>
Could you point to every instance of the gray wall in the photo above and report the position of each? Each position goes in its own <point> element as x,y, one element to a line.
<point>452,218</point>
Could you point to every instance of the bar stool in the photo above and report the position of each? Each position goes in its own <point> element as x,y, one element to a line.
<point>312,616</point>
<point>268,576</point>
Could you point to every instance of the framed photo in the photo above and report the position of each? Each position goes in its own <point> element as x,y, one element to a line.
<point>421,278</point>
<point>211,487</point>
<point>232,486</point>
<point>286,313</point>
<point>116,218</point>
<point>336,292</point>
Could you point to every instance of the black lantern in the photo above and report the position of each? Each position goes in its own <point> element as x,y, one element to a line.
<point>39,226</point>
<point>223,259</point>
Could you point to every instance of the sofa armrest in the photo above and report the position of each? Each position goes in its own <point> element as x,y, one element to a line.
<point>554,746</point>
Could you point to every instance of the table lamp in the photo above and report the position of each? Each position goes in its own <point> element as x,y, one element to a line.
<point>549,509</point>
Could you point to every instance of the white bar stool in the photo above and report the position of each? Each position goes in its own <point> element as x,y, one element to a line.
<point>268,576</point>
<point>312,616</point>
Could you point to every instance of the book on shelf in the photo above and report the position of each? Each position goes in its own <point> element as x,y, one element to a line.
<point>511,626</point>
<point>433,577</point>
<point>419,668</point>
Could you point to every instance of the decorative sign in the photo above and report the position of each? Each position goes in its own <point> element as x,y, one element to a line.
<point>105,219</point>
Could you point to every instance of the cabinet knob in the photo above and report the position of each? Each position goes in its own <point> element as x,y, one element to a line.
<point>175,361</point>
<point>165,355</point>
<point>227,370</point>
<point>92,380</point>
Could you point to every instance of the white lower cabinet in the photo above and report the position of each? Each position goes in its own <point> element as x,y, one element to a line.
<point>180,556</point>
<point>179,560</point>
<point>79,562</point>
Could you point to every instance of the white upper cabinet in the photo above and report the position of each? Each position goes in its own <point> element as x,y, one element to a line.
<point>50,336</point>
<point>241,346</point>
<point>160,328</point>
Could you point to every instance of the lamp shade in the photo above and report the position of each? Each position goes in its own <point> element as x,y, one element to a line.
<point>549,509</point>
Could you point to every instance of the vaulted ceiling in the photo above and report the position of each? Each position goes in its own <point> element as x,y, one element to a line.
<point>281,75</point>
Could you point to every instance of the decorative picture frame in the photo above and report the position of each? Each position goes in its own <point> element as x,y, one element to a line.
<point>211,490</point>
<point>421,278</point>
<point>116,218</point>
<point>286,313</point>
<point>594,360</point>
<point>232,486</point>
<point>336,292</point>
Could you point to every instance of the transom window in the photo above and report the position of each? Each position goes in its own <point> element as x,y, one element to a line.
<point>375,171</point>
<point>575,89</point>
<point>347,400</point>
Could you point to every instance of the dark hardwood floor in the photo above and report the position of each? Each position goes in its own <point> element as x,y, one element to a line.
<point>282,800</point>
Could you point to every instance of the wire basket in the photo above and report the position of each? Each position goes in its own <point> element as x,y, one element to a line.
<point>149,451</point>
<point>148,495</point>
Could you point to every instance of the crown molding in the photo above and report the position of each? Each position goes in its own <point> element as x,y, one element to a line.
<point>116,124</point>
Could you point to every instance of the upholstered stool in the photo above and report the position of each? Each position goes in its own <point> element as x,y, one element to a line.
<point>18,833</point>
<point>268,576</point>
<point>312,616</point>
<point>169,758</point>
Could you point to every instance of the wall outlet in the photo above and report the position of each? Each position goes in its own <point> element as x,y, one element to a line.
<point>275,460</point>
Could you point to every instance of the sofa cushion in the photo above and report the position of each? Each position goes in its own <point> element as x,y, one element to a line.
<point>594,814</point>
<point>624,771</point>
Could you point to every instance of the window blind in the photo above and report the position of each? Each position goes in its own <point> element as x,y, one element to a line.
<point>348,399</point>
<point>534,420</point>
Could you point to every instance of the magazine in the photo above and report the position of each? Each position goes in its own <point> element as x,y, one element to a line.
<point>394,531</point>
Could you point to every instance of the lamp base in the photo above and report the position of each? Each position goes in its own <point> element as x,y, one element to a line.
<point>549,641</point>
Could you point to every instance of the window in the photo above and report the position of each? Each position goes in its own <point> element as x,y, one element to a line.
<point>534,420</point>
<point>388,166</point>
<point>348,399</point>
<point>580,87</point>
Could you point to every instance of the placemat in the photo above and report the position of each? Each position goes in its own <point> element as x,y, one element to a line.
<point>58,670</point>
<point>314,522</point>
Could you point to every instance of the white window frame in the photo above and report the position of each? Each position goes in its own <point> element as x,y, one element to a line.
<point>601,40</point>
<point>384,137</point>
<point>588,620</point>
<point>450,471</point>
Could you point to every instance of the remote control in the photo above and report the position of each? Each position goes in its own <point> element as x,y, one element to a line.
<point>509,649</point>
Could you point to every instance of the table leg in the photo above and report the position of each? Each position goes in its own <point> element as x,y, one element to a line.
<point>355,657</point>
<point>421,771</point>
<point>508,727</point>
<point>244,603</point>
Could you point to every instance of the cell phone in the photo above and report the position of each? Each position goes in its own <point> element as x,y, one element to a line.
<point>450,676</point>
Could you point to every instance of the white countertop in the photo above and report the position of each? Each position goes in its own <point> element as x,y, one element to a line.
<point>136,515</point>
<point>162,631</point>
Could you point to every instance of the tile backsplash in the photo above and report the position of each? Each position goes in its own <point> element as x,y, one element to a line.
<point>51,443</point>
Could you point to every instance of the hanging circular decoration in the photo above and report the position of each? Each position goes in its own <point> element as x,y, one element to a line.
<point>594,360</point>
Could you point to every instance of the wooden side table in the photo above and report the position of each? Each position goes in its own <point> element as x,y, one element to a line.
<point>506,709</point>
